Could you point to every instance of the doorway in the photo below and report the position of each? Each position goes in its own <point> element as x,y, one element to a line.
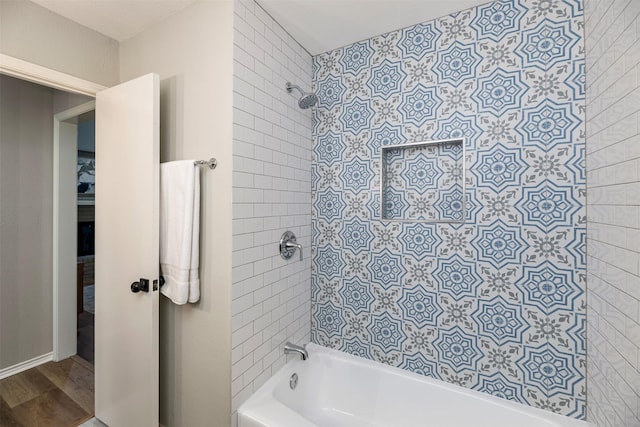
<point>85,248</point>
<point>127,144</point>
<point>30,380</point>
<point>74,232</point>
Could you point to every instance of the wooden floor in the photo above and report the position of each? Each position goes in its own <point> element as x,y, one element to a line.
<point>56,394</point>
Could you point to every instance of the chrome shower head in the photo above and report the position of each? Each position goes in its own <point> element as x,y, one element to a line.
<point>307,100</point>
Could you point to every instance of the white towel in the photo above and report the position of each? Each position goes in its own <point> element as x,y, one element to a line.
<point>180,230</point>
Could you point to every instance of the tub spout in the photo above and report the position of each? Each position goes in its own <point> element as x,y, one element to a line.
<point>290,348</point>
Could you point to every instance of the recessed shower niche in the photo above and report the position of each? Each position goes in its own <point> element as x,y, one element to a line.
<point>423,182</point>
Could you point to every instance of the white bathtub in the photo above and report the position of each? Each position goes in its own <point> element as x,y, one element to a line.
<point>336,389</point>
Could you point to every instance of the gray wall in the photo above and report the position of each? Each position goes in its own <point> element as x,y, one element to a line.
<point>613,212</point>
<point>37,35</point>
<point>26,204</point>
<point>192,52</point>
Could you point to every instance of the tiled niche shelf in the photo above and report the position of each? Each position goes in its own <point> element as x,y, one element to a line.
<point>423,182</point>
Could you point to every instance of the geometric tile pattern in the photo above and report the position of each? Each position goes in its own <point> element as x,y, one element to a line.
<point>499,167</point>
<point>496,19</point>
<point>547,206</point>
<point>484,286</point>
<point>498,385</point>
<point>458,126</point>
<point>548,369</point>
<point>355,235</point>
<point>356,116</point>
<point>417,41</point>
<point>457,63</point>
<point>499,244</point>
<point>385,135</point>
<point>548,125</point>
<point>420,105</point>
<point>330,91</point>
<point>426,179</point>
<point>549,288</point>
<point>450,205</point>
<point>420,306</point>
<point>499,320</point>
<point>330,148</point>
<point>499,92</point>
<point>418,364</point>
<point>386,332</point>
<point>547,44</point>
<point>457,277</point>
<point>420,239</point>
<point>356,175</point>
<point>329,318</point>
<point>386,79</point>
<point>458,349</point>
<point>386,269</point>
<point>356,57</point>
<point>356,295</point>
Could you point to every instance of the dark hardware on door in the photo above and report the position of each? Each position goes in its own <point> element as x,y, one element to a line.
<point>142,285</point>
<point>155,283</point>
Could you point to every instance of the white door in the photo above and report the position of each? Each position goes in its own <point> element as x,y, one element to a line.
<point>126,250</point>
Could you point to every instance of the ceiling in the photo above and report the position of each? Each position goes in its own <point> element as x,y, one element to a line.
<point>118,19</point>
<point>318,25</point>
<point>323,25</point>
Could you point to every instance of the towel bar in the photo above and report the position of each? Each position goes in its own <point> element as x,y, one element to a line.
<point>212,163</point>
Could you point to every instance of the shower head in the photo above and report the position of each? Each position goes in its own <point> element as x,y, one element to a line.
<point>307,100</point>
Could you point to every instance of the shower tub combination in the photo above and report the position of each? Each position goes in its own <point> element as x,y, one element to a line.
<point>335,389</point>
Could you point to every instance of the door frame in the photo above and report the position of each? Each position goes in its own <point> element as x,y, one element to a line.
<point>47,77</point>
<point>65,234</point>
<point>24,70</point>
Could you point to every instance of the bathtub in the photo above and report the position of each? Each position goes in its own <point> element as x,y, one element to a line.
<point>336,389</point>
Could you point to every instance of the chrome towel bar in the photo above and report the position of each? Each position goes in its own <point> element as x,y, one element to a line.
<point>211,163</point>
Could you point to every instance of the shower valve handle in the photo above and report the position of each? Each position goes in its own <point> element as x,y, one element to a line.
<point>288,245</point>
<point>297,246</point>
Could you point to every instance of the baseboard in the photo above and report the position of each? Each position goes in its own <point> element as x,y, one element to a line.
<point>23,366</point>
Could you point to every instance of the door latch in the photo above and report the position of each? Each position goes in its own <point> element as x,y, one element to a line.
<point>155,283</point>
<point>142,285</point>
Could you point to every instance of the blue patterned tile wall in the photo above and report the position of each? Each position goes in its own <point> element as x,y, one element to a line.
<point>495,303</point>
<point>423,182</point>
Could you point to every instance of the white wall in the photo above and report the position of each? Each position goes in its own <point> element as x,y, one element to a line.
<point>271,194</point>
<point>37,35</point>
<point>192,52</point>
<point>613,211</point>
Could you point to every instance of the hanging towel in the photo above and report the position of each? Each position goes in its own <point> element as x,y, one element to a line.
<point>180,230</point>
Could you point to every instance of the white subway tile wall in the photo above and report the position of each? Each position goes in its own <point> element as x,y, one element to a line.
<point>612,31</point>
<point>271,194</point>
